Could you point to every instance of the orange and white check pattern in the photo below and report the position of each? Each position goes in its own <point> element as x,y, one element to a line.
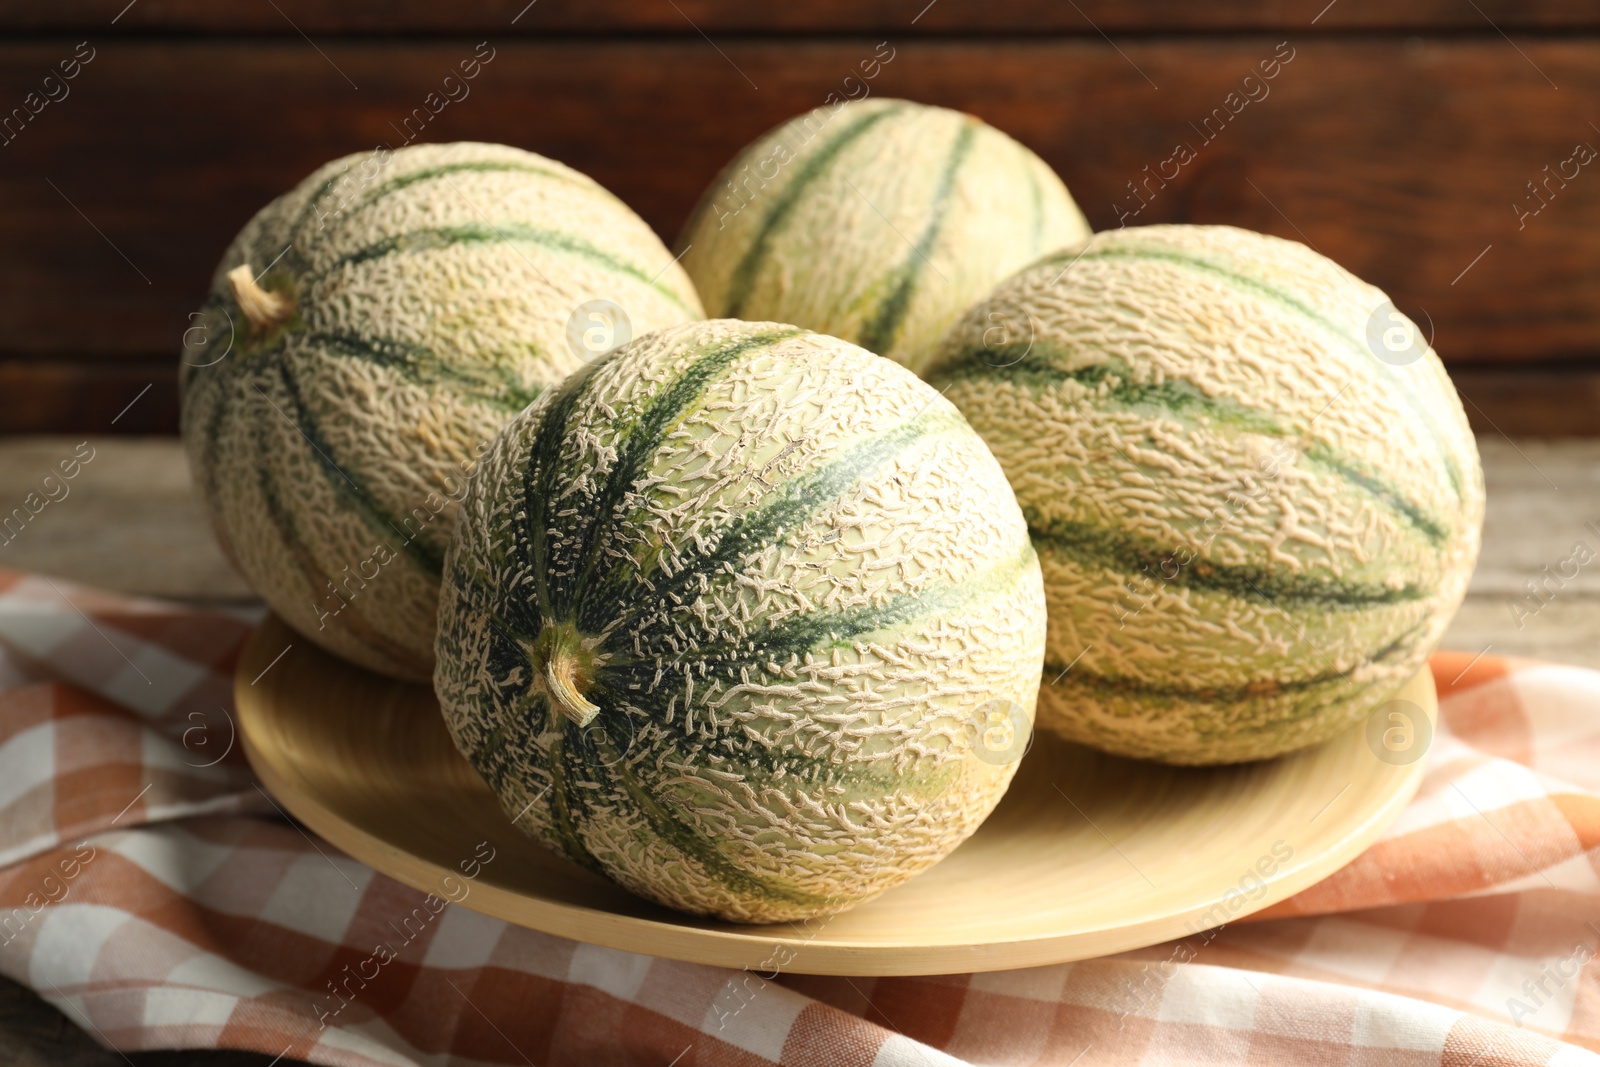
<point>154,894</point>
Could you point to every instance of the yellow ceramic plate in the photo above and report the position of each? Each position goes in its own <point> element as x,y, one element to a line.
<point>1086,855</point>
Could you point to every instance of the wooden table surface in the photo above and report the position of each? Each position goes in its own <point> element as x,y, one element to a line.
<point>130,522</point>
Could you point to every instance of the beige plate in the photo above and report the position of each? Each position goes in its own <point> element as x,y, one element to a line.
<point>1086,855</point>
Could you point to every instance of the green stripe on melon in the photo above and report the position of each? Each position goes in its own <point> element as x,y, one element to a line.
<point>381,322</point>
<point>720,614</point>
<point>1252,530</point>
<point>877,221</point>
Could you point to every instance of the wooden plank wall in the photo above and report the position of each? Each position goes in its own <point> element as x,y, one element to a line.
<point>1431,146</point>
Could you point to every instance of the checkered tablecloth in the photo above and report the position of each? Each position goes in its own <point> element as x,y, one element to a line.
<point>152,892</point>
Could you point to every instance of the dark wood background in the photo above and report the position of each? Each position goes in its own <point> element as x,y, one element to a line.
<point>1396,141</point>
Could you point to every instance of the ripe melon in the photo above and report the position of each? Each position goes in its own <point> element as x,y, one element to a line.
<point>878,221</point>
<point>728,618</point>
<point>1253,491</point>
<point>365,337</point>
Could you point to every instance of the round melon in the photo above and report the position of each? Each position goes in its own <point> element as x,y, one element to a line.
<point>735,616</point>
<point>365,337</point>
<point>1255,497</point>
<point>879,221</point>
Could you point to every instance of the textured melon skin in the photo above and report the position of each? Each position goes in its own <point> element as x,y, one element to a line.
<point>796,576</point>
<point>1252,530</point>
<point>879,221</point>
<point>431,296</point>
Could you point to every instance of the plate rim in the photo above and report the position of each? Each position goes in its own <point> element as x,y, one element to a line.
<point>695,940</point>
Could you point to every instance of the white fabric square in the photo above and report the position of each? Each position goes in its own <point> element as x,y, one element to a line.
<point>27,761</point>
<point>1575,874</point>
<point>316,897</point>
<point>1352,949</point>
<point>757,1018</point>
<point>1547,1010</point>
<point>69,941</point>
<point>180,1007</point>
<point>206,971</point>
<point>179,861</point>
<point>608,970</point>
<point>1386,1021</point>
<point>1210,996</point>
<point>1034,983</point>
<point>901,1051</point>
<point>39,630</point>
<point>155,679</point>
<point>1482,790</point>
<point>464,938</point>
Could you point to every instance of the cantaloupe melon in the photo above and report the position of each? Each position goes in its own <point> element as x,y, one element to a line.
<point>728,618</point>
<point>1255,512</point>
<point>878,221</point>
<point>366,336</point>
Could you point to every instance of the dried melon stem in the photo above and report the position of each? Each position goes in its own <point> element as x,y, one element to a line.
<point>563,663</point>
<point>264,309</point>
